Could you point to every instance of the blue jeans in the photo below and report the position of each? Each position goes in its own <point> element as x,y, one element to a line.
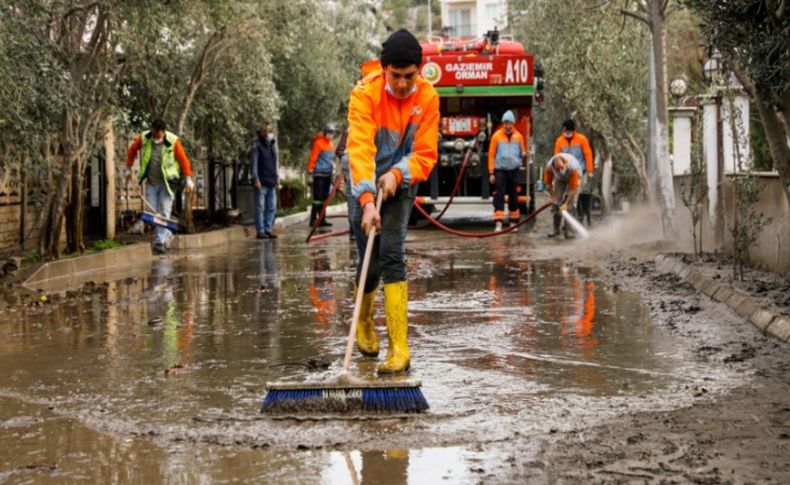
<point>387,261</point>
<point>161,200</point>
<point>265,206</point>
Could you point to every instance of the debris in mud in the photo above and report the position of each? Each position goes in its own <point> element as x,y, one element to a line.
<point>746,352</point>
<point>11,266</point>
<point>174,370</point>
<point>155,321</point>
<point>313,364</point>
<point>39,467</point>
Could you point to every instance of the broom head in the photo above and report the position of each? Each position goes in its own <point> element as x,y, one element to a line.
<point>345,395</point>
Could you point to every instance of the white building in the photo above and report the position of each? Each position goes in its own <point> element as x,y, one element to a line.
<point>473,18</point>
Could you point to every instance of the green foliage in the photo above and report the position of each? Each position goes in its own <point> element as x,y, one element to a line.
<point>752,36</point>
<point>34,87</point>
<point>315,64</point>
<point>296,186</point>
<point>596,73</point>
<point>30,257</point>
<point>747,222</point>
<point>751,32</point>
<point>293,197</point>
<point>758,143</point>
<point>103,245</point>
<point>693,189</point>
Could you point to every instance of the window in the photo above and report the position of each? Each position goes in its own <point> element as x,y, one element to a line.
<point>460,22</point>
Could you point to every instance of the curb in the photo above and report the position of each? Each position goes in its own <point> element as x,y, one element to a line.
<point>767,321</point>
<point>300,217</point>
<point>132,255</point>
<point>208,239</point>
<point>116,259</point>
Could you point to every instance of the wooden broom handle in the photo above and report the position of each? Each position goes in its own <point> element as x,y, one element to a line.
<point>363,276</point>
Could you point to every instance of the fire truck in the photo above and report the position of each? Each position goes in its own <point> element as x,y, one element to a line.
<point>477,80</point>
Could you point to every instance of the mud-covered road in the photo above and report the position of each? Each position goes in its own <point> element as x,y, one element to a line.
<point>542,362</point>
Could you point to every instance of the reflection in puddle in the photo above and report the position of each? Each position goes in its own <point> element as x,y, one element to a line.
<point>403,466</point>
<point>164,373</point>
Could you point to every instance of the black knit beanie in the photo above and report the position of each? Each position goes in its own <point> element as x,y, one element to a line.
<point>401,48</point>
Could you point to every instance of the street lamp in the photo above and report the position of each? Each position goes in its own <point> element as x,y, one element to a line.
<point>712,68</point>
<point>678,87</point>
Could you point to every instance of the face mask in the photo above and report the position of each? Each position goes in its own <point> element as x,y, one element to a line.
<point>568,135</point>
<point>392,93</point>
<point>270,136</point>
<point>159,141</point>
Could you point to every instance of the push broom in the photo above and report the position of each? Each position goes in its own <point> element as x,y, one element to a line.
<point>347,393</point>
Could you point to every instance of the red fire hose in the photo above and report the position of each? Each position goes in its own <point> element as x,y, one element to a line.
<point>431,220</point>
<point>457,184</point>
<point>478,234</point>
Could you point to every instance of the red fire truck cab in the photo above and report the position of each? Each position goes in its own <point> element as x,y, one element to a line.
<point>477,80</point>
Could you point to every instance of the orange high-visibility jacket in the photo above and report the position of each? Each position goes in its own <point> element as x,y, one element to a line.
<point>322,156</point>
<point>386,133</point>
<point>571,175</point>
<point>579,147</point>
<point>506,152</point>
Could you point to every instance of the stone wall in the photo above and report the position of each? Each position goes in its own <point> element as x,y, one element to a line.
<point>9,226</point>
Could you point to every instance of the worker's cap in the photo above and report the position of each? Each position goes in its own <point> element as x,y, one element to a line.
<point>568,125</point>
<point>158,124</point>
<point>329,128</point>
<point>508,117</point>
<point>401,49</point>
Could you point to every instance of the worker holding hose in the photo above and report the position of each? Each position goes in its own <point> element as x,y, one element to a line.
<point>393,120</point>
<point>576,144</point>
<point>562,177</point>
<point>506,152</point>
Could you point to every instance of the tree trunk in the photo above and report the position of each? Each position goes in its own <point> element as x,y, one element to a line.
<point>640,165</point>
<point>22,207</point>
<point>75,210</point>
<point>54,223</point>
<point>776,134</point>
<point>214,43</point>
<point>666,192</point>
<point>606,182</point>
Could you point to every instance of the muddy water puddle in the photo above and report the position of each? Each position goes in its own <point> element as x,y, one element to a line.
<point>160,377</point>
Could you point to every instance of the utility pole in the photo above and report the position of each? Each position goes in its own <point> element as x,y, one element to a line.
<point>430,25</point>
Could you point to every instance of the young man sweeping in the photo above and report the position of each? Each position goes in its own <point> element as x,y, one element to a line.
<point>393,120</point>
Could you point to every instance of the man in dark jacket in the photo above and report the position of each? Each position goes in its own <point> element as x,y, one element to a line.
<point>263,167</point>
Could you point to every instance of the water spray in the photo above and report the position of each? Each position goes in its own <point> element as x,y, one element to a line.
<point>577,226</point>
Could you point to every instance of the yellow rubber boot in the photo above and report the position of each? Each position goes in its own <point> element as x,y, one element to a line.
<point>367,341</point>
<point>395,305</point>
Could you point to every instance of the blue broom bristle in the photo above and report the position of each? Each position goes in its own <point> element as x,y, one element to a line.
<point>378,400</point>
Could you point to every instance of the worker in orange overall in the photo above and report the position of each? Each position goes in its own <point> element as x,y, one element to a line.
<point>574,143</point>
<point>319,170</point>
<point>506,152</point>
<point>393,118</point>
<point>562,179</point>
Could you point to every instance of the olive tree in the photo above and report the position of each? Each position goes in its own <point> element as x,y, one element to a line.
<point>753,36</point>
<point>594,71</point>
